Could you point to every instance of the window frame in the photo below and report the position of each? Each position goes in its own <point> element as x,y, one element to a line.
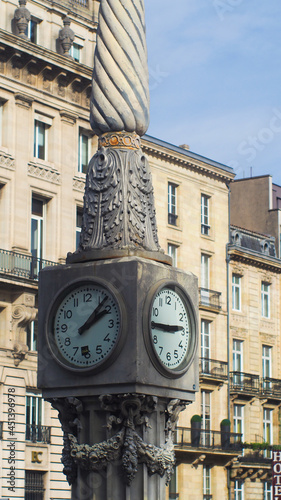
<point>265,299</point>
<point>33,35</point>
<point>267,490</point>
<point>205,349</point>
<point>207,489</point>
<point>172,203</point>
<point>238,489</point>
<point>78,47</point>
<point>173,253</point>
<point>239,419</point>
<point>32,335</point>
<point>36,140</point>
<point>82,168</point>
<point>205,215</point>
<point>79,214</point>
<point>267,429</point>
<point>33,485</point>
<point>236,291</point>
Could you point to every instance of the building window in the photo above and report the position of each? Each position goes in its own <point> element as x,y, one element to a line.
<point>40,140</point>
<point>32,335</point>
<point>265,300</point>
<point>173,252</point>
<point>206,482</point>
<point>266,361</point>
<point>37,234</point>
<point>267,429</point>
<point>205,271</point>
<point>238,420</point>
<point>84,152</point>
<point>237,354</point>
<point>34,418</point>
<point>79,217</point>
<point>34,485</point>
<point>172,204</point>
<point>206,417</point>
<point>236,292</point>
<point>32,30</point>
<point>205,346</point>
<point>75,52</point>
<point>173,486</point>
<point>238,490</point>
<point>267,490</point>
<point>205,214</point>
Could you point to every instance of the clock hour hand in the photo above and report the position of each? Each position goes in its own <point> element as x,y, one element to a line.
<point>94,317</point>
<point>166,328</point>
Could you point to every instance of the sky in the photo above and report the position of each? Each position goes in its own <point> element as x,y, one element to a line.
<point>215,80</point>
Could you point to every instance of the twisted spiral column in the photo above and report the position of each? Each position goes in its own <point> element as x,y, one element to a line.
<point>120,92</point>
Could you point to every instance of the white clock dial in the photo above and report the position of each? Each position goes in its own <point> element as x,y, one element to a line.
<point>86,325</point>
<point>170,328</point>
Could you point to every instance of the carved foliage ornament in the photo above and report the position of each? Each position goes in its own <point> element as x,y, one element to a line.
<point>126,412</point>
<point>119,203</point>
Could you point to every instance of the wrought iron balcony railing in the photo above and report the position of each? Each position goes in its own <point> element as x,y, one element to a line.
<point>209,298</point>
<point>174,496</point>
<point>23,266</point>
<point>202,438</point>
<point>244,383</point>
<point>271,387</point>
<point>212,368</point>
<point>38,433</point>
<point>1,430</point>
<point>207,497</point>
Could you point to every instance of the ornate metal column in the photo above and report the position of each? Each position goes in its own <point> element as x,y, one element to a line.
<point>119,214</point>
<point>118,397</point>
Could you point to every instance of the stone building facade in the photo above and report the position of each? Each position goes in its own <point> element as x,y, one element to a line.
<point>46,55</point>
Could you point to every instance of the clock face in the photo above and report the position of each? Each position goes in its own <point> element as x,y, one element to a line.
<point>86,325</point>
<point>171,328</point>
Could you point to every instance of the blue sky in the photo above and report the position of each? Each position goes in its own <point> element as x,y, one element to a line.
<point>215,80</point>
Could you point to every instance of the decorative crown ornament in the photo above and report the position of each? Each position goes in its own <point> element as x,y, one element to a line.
<point>66,36</point>
<point>22,17</point>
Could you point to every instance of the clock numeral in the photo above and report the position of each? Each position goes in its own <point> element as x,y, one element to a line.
<point>75,302</point>
<point>181,316</point>
<point>155,339</point>
<point>155,311</point>
<point>176,354</point>
<point>161,350</point>
<point>67,341</point>
<point>183,332</point>
<point>67,314</point>
<point>99,349</point>
<point>76,349</point>
<point>64,328</point>
<point>180,344</point>
<point>106,338</point>
<point>168,356</point>
<point>111,323</point>
<point>160,302</point>
<point>108,308</point>
<point>168,300</point>
<point>87,297</point>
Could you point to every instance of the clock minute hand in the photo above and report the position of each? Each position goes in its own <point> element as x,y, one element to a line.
<point>166,328</point>
<point>94,317</point>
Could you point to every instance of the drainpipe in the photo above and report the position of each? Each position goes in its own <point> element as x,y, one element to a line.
<point>228,328</point>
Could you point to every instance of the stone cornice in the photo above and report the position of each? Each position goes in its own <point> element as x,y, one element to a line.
<point>254,259</point>
<point>187,160</point>
<point>12,45</point>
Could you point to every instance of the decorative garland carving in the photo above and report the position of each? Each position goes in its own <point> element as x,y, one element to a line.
<point>130,411</point>
<point>69,410</point>
<point>119,203</point>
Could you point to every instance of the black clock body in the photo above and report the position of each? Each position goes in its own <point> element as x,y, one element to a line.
<point>145,342</point>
